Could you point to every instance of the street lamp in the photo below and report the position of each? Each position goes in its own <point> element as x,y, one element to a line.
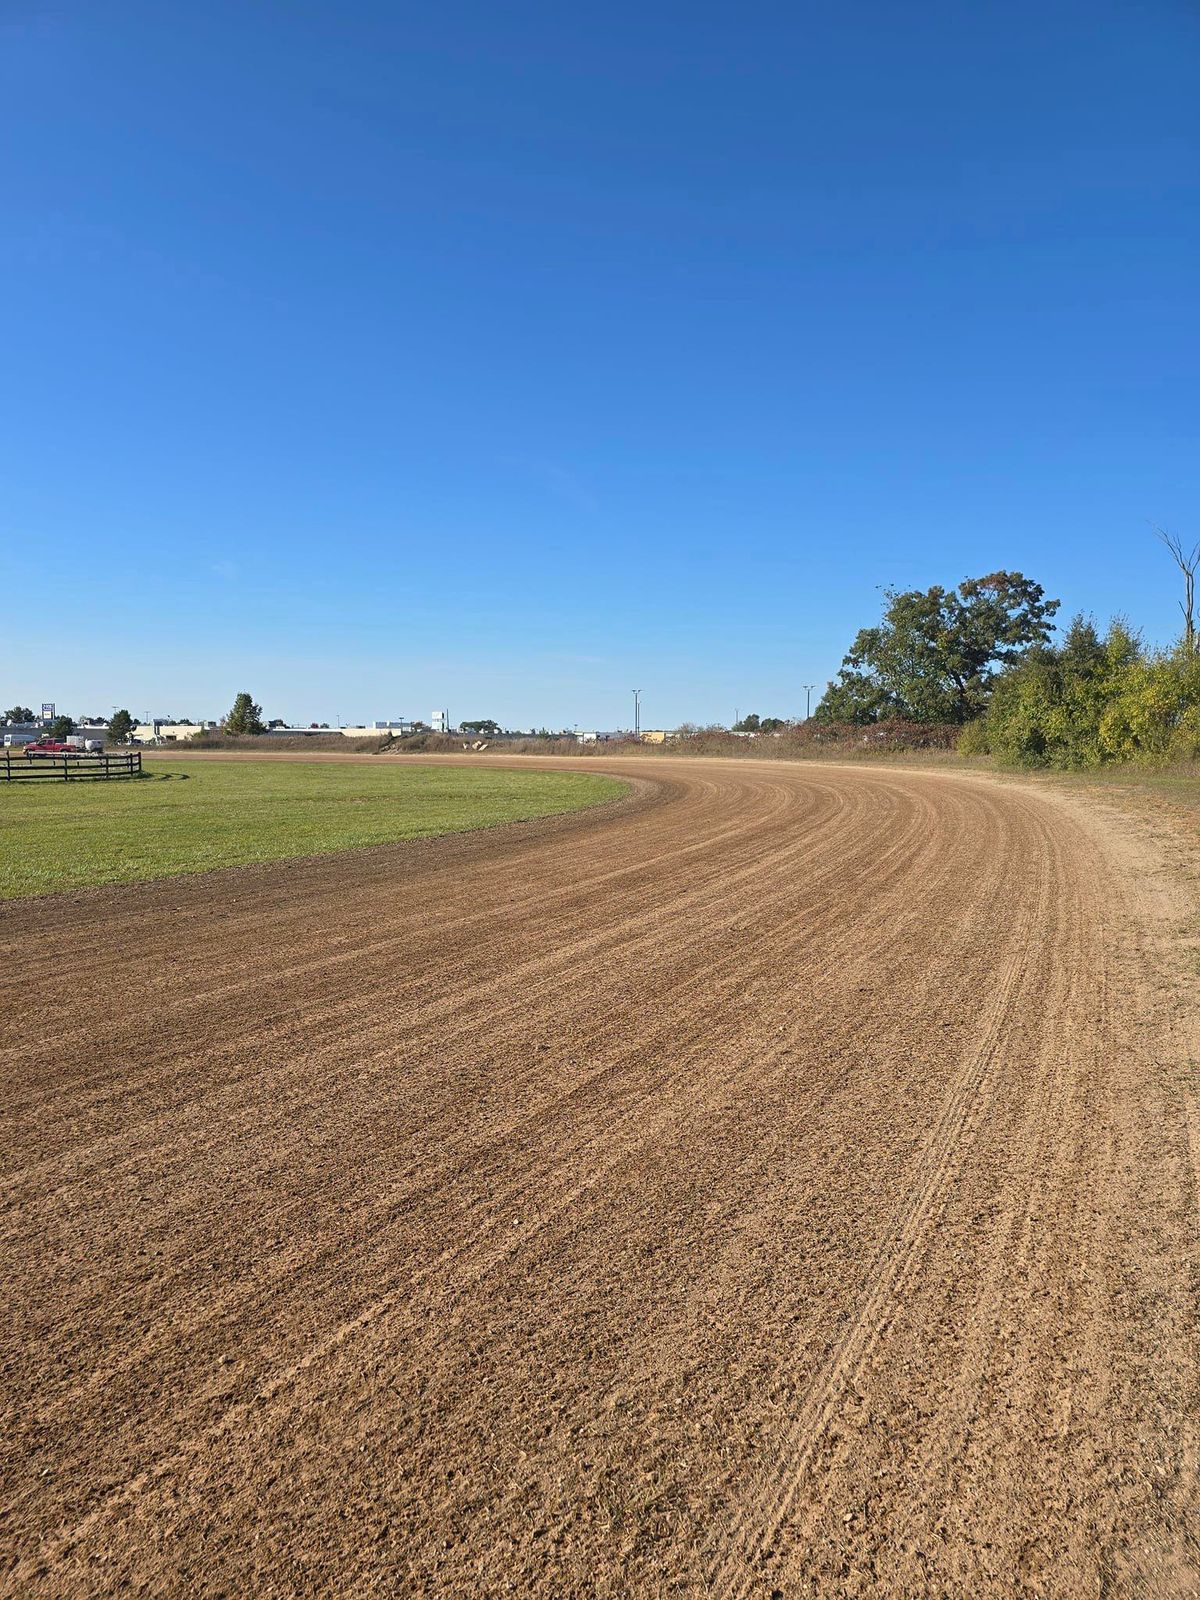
<point>637,713</point>
<point>808,689</point>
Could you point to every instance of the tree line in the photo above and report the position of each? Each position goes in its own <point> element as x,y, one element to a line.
<point>982,656</point>
<point>243,717</point>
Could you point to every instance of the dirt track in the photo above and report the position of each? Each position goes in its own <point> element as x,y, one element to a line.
<point>781,1184</point>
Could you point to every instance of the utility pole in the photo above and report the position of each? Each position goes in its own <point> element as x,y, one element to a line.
<point>808,689</point>
<point>637,713</point>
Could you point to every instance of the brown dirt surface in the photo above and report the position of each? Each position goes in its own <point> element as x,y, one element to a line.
<point>781,1184</point>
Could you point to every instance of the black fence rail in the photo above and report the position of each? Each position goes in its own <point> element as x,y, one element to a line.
<point>86,767</point>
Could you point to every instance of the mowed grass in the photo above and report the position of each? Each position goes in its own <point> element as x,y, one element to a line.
<point>193,816</point>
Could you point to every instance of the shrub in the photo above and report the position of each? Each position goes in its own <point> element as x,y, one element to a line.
<point>1092,701</point>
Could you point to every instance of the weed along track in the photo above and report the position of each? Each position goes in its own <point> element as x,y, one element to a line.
<point>770,1184</point>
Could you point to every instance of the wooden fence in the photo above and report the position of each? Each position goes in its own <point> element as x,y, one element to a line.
<point>84,768</point>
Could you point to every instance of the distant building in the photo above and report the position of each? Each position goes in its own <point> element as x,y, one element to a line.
<point>168,732</point>
<point>440,722</point>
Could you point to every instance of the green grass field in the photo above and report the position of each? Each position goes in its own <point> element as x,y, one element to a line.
<point>192,816</point>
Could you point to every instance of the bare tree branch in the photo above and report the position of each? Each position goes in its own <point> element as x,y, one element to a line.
<point>1187,562</point>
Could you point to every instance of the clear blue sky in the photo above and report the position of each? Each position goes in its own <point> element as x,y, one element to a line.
<point>379,357</point>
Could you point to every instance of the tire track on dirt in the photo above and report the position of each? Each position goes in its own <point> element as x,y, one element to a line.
<point>729,1571</point>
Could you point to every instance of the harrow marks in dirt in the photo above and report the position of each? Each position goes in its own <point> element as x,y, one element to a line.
<point>767,1187</point>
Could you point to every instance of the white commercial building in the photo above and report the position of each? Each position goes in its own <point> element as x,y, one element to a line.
<point>171,732</point>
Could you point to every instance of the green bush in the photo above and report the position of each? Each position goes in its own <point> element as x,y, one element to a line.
<point>1090,701</point>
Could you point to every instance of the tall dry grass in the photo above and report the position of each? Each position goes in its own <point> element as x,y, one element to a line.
<point>796,742</point>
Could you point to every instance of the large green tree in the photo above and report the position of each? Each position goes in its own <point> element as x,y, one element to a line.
<point>934,654</point>
<point>244,716</point>
<point>62,727</point>
<point>19,714</point>
<point>120,726</point>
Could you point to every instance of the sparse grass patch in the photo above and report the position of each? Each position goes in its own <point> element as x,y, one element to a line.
<point>194,816</point>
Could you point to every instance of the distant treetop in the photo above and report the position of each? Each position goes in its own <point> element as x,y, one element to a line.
<point>934,654</point>
<point>244,716</point>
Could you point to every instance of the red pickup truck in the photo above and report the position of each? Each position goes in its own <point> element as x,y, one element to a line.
<point>56,747</point>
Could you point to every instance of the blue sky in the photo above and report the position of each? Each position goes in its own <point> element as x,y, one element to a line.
<point>504,357</point>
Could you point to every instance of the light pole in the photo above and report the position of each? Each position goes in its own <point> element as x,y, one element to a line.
<point>808,689</point>
<point>637,713</point>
